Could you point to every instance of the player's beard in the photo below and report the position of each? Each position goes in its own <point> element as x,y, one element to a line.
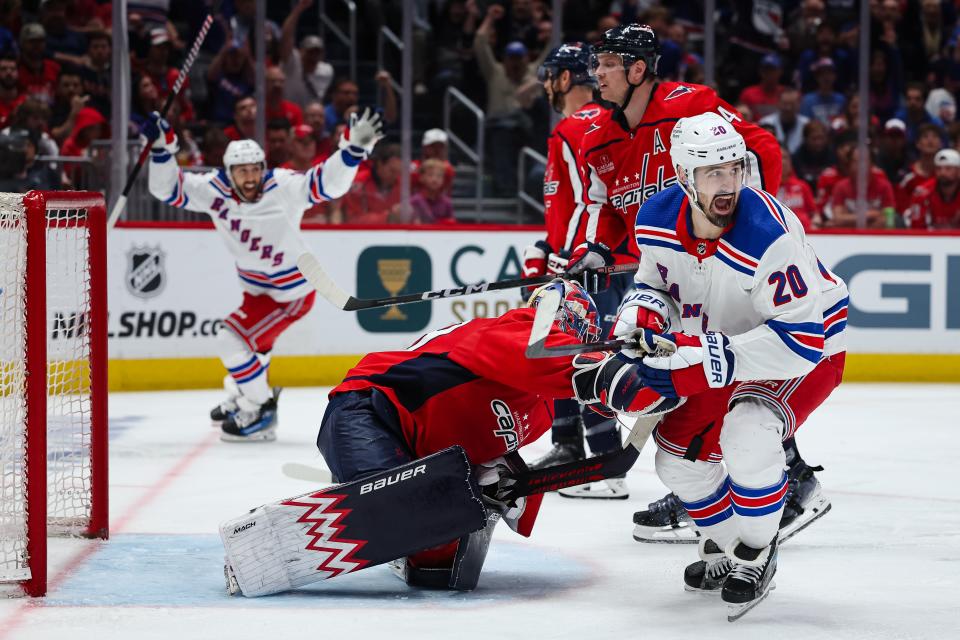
<point>557,100</point>
<point>252,188</point>
<point>725,211</point>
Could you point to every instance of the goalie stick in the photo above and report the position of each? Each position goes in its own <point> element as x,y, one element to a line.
<point>121,202</point>
<point>314,273</point>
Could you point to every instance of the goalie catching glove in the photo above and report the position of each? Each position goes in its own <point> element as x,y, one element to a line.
<point>604,380</point>
<point>698,363</point>
<point>160,136</point>
<point>362,134</point>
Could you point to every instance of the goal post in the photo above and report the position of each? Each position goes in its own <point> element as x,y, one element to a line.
<point>53,377</point>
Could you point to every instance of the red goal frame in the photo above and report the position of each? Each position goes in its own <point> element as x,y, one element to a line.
<point>38,205</point>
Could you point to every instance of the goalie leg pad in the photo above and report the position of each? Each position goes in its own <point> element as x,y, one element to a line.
<point>360,524</point>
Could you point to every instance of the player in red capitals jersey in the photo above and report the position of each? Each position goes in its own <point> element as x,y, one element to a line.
<point>469,384</point>
<point>573,242</point>
<point>626,153</point>
<point>936,204</point>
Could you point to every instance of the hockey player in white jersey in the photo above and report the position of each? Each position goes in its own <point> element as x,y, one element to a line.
<point>257,212</point>
<point>761,344</point>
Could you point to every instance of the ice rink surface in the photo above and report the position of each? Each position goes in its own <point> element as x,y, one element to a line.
<point>884,563</point>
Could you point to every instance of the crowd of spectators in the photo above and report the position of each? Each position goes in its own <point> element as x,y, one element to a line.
<point>790,65</point>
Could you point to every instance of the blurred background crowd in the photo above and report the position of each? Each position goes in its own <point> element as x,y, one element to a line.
<point>481,120</point>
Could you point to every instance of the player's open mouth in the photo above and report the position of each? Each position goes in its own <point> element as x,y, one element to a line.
<point>722,205</point>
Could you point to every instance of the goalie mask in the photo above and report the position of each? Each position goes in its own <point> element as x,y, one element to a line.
<point>578,315</point>
<point>242,152</point>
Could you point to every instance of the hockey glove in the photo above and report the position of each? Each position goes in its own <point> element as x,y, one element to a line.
<point>699,363</point>
<point>362,135</point>
<point>160,135</point>
<point>557,262</point>
<point>495,479</point>
<point>585,258</point>
<point>534,264</point>
<point>603,382</point>
<point>640,310</point>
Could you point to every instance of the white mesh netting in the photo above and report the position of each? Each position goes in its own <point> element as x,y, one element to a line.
<point>68,372</point>
<point>13,257</point>
<point>68,427</point>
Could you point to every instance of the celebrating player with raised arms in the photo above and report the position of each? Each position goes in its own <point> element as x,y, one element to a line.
<point>761,344</point>
<point>468,386</point>
<point>576,239</point>
<point>257,212</point>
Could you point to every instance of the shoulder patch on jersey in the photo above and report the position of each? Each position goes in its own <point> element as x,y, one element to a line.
<point>678,91</point>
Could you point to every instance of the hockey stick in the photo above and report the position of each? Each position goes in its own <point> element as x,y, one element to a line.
<point>314,273</point>
<point>121,202</point>
<point>589,470</point>
<point>307,473</point>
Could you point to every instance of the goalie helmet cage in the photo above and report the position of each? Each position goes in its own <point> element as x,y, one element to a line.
<point>53,378</point>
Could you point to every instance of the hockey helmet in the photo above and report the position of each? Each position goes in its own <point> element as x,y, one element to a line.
<point>702,141</point>
<point>578,315</point>
<point>571,56</point>
<point>632,42</point>
<point>240,152</point>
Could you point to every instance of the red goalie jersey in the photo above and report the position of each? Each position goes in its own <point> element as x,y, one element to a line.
<point>624,166</point>
<point>569,223</point>
<point>469,384</point>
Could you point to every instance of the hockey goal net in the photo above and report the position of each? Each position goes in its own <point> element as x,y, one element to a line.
<point>53,417</point>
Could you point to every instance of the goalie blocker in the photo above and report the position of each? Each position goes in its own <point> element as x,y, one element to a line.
<point>360,524</point>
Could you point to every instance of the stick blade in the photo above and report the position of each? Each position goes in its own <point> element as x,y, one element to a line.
<point>310,268</point>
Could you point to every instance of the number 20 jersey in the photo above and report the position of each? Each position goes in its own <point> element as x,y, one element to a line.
<point>760,283</point>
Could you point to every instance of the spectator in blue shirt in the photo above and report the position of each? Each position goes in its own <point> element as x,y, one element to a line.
<point>913,113</point>
<point>823,104</point>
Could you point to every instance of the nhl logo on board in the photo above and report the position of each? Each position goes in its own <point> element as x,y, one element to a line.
<point>701,248</point>
<point>146,275</point>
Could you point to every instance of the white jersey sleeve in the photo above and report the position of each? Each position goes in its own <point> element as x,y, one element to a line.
<point>170,184</point>
<point>325,181</point>
<point>786,294</point>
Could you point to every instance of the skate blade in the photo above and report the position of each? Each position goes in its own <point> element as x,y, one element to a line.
<point>817,508</point>
<point>682,534</point>
<point>265,435</point>
<point>737,611</point>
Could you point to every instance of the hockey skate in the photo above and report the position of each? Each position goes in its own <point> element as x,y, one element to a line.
<point>608,489</point>
<point>223,410</point>
<point>751,579</point>
<point>707,575</point>
<point>254,424</point>
<point>664,521</point>
<point>561,453</point>
<point>804,502</point>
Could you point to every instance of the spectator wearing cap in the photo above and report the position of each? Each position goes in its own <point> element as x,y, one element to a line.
<point>913,112</point>
<point>303,149</point>
<point>941,104</point>
<point>61,39</point>
<point>308,75</point>
<point>763,98</point>
<point>278,142</point>
<point>892,152</point>
<point>929,141</point>
<point>825,46</point>
<point>796,193</point>
<point>433,146</point>
<point>244,119</point>
<point>511,89</point>
<point>10,96</point>
<point>37,74</point>
<point>277,105</point>
<point>787,122</point>
<point>823,104</point>
<point>430,202</point>
<point>936,204</point>
<point>157,66</point>
<point>229,78</point>
<point>881,204</point>
<point>315,117</point>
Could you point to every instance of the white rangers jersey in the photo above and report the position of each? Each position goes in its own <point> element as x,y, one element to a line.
<point>760,283</point>
<point>263,236</point>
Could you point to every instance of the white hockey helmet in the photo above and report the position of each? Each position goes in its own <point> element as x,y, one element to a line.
<point>702,141</point>
<point>242,152</point>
